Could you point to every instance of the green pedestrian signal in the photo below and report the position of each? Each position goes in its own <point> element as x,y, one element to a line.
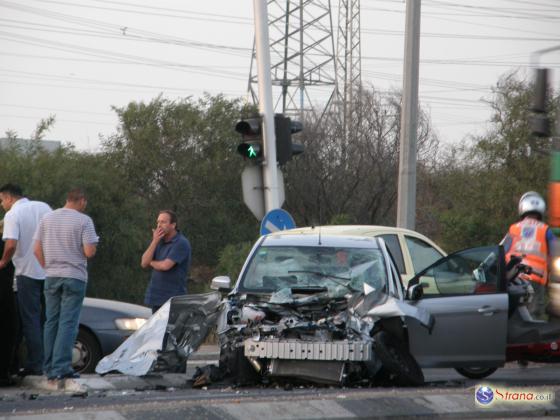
<point>251,153</point>
<point>251,132</point>
<point>250,150</point>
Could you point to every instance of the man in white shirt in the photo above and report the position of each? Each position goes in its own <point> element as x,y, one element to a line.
<point>20,222</point>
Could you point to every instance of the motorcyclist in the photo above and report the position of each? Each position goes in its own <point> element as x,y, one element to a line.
<point>531,239</point>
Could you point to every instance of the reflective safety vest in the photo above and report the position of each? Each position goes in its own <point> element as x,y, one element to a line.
<point>529,242</point>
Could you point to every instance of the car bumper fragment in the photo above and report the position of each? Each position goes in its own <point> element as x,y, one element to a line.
<point>353,351</point>
<point>328,372</point>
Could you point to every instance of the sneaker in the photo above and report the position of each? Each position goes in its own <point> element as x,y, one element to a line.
<point>71,385</point>
<point>50,384</point>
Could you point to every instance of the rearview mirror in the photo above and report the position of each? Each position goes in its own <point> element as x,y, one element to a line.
<point>415,292</point>
<point>222,283</point>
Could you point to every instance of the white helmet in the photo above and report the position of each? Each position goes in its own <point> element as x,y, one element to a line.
<point>531,202</point>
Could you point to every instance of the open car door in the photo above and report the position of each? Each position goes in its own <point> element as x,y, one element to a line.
<point>467,297</point>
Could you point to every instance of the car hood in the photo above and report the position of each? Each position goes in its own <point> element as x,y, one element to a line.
<point>129,309</point>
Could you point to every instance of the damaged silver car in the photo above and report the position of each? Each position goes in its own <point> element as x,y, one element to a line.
<point>307,307</point>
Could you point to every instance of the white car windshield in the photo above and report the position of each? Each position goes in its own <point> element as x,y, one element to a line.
<point>273,268</point>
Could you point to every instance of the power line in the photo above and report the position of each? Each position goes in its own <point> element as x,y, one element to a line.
<point>28,117</point>
<point>184,14</point>
<point>73,111</point>
<point>80,49</point>
<point>485,37</point>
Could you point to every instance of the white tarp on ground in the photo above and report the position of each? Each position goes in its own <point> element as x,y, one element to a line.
<point>174,332</point>
<point>139,352</point>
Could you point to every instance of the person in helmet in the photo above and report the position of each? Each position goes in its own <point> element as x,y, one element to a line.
<point>531,239</point>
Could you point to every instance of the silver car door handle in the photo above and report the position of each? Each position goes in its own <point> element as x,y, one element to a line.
<point>487,310</point>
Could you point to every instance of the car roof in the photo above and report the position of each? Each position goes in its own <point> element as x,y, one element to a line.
<point>357,231</point>
<point>316,238</point>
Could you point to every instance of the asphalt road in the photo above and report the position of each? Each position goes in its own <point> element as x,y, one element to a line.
<point>446,394</point>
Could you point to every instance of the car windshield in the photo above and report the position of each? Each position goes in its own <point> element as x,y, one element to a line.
<point>314,269</point>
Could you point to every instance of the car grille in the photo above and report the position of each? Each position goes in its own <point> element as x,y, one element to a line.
<point>355,351</point>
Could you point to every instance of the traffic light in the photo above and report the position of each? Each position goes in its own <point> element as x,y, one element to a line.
<point>252,146</point>
<point>540,125</point>
<point>251,132</point>
<point>284,128</point>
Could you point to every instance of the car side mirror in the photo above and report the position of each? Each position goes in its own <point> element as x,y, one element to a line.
<point>221,283</point>
<point>415,292</point>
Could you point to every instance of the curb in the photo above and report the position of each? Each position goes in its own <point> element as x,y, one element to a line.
<point>395,403</point>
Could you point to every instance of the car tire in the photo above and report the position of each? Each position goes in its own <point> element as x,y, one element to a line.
<point>86,353</point>
<point>398,365</point>
<point>476,372</point>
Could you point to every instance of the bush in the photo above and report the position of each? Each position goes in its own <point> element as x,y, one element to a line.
<point>231,259</point>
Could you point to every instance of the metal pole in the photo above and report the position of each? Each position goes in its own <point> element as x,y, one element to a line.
<point>269,168</point>
<point>301,63</point>
<point>406,204</point>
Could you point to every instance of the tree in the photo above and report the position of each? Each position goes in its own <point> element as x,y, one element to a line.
<point>181,155</point>
<point>479,184</point>
<point>114,272</point>
<point>350,173</point>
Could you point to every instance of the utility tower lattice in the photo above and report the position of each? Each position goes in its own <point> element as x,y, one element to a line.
<point>305,66</point>
<point>302,56</point>
<point>349,67</point>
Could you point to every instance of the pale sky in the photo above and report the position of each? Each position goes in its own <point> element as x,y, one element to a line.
<point>76,59</point>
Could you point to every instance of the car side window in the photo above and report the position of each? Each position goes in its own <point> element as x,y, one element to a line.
<point>394,246</point>
<point>422,253</point>
<point>473,271</point>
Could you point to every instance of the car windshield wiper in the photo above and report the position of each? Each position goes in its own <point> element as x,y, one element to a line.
<point>308,289</point>
<point>320,274</point>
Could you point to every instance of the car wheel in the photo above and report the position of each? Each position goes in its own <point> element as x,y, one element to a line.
<point>86,353</point>
<point>398,365</point>
<point>476,372</point>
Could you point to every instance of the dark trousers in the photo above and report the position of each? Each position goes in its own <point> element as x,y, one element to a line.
<point>31,311</point>
<point>8,322</point>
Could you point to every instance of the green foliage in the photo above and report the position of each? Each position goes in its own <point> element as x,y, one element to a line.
<point>114,272</point>
<point>479,185</point>
<point>181,155</point>
<point>232,258</point>
<point>341,219</point>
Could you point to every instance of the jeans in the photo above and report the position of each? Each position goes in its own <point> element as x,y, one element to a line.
<point>29,296</point>
<point>64,298</point>
<point>9,324</point>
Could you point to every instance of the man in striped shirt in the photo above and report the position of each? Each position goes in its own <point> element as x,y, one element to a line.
<point>64,241</point>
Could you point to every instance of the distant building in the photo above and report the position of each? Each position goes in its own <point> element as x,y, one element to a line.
<point>25,144</point>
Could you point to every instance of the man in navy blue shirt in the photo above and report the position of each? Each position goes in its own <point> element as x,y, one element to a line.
<point>169,256</point>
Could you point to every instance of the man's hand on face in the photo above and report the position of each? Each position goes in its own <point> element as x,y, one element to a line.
<point>158,233</point>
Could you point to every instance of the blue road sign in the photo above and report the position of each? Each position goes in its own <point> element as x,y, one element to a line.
<point>276,220</point>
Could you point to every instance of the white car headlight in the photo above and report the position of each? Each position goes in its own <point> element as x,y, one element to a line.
<point>129,324</point>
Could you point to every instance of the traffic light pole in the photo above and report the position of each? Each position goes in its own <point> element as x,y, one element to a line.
<point>269,169</point>
<point>406,196</point>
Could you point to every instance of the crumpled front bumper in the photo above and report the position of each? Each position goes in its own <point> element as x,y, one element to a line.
<point>343,350</point>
